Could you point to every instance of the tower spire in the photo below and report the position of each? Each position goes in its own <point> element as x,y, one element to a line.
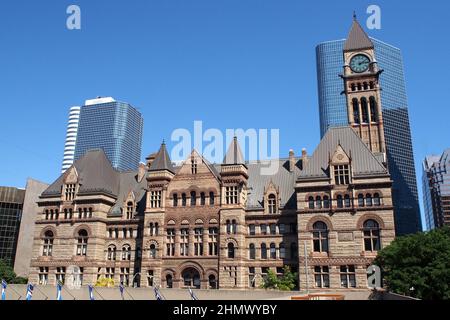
<point>355,18</point>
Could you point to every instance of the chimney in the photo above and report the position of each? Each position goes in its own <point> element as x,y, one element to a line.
<point>142,170</point>
<point>291,160</point>
<point>150,160</point>
<point>304,158</point>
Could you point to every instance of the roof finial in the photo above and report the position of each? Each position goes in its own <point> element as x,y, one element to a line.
<point>164,142</point>
<point>354,16</point>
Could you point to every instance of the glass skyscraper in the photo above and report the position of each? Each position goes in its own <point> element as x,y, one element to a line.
<point>333,113</point>
<point>436,190</point>
<point>11,204</point>
<point>116,127</point>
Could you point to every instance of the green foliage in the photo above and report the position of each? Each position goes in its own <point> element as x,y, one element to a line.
<point>7,273</point>
<point>418,265</point>
<point>104,282</point>
<point>286,282</point>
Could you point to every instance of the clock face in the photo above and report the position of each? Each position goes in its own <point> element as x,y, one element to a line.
<point>360,63</point>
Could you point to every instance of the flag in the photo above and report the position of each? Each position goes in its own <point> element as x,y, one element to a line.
<point>193,296</point>
<point>91,293</point>
<point>158,295</point>
<point>29,295</point>
<point>59,291</point>
<point>4,285</point>
<point>121,288</point>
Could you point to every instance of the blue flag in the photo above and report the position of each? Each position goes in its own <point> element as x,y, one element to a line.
<point>4,285</point>
<point>59,291</point>
<point>30,289</point>
<point>91,293</point>
<point>158,295</point>
<point>193,296</point>
<point>121,288</point>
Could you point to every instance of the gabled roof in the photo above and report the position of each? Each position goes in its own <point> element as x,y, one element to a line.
<point>234,154</point>
<point>357,38</point>
<point>364,162</point>
<point>162,161</point>
<point>95,174</point>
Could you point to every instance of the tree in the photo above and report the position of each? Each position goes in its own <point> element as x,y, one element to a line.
<point>286,282</point>
<point>418,265</point>
<point>104,282</point>
<point>7,273</point>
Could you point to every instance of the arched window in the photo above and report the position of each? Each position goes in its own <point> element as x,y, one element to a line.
<point>82,243</point>
<point>364,110</point>
<point>347,201</point>
<point>152,251</point>
<point>212,281</point>
<point>183,199</point>
<point>230,250</point>
<point>228,227</point>
<point>234,227</point>
<point>361,200</point>
<point>169,281</point>
<point>263,251</point>
<point>126,253</point>
<point>311,203</point>
<point>371,85</point>
<point>326,202</point>
<point>369,202</point>
<point>318,202</point>
<point>359,86</point>
<point>272,204</point>
<point>356,117</point>
<point>353,87</point>
<point>340,202</point>
<point>282,251</point>
<point>111,253</point>
<point>193,199</point>
<point>373,109</point>
<point>202,199</point>
<point>366,86</point>
<point>273,251</point>
<point>320,237</point>
<point>175,200</point>
<point>376,200</point>
<point>372,241</point>
<point>211,198</point>
<point>48,244</point>
<point>252,252</point>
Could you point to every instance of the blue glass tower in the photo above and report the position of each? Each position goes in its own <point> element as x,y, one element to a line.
<point>116,127</point>
<point>333,113</point>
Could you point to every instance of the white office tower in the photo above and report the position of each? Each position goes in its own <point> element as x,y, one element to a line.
<point>71,138</point>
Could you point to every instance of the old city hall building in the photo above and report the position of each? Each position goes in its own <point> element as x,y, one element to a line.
<point>226,225</point>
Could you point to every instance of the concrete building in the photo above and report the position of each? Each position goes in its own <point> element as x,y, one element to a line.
<point>71,138</point>
<point>24,246</point>
<point>436,190</point>
<point>385,65</point>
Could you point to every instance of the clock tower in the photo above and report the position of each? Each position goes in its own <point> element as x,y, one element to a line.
<point>362,89</point>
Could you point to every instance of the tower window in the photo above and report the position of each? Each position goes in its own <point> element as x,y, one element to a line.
<point>202,199</point>
<point>231,195</point>
<point>356,117</point>
<point>372,241</point>
<point>320,237</point>
<point>155,199</point>
<point>373,109</point>
<point>175,200</point>
<point>193,198</point>
<point>365,112</point>
<point>211,198</point>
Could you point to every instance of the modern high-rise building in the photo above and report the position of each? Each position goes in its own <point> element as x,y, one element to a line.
<point>333,109</point>
<point>436,190</point>
<point>71,138</point>
<point>116,127</point>
<point>11,204</point>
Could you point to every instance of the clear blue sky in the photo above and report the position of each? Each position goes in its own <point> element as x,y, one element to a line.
<point>230,63</point>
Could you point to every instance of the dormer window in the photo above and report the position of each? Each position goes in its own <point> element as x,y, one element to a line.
<point>272,203</point>
<point>342,174</point>
<point>129,210</point>
<point>69,192</point>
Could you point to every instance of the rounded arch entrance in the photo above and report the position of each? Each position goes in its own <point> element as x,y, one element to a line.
<point>191,278</point>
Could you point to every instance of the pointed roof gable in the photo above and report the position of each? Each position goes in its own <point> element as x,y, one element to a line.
<point>364,162</point>
<point>357,38</point>
<point>234,154</point>
<point>95,174</point>
<point>162,161</point>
